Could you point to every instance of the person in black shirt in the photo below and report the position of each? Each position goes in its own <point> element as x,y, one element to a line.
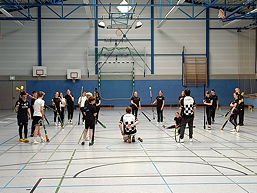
<point>135,104</point>
<point>97,103</point>
<point>22,108</point>
<point>234,112</point>
<point>181,97</point>
<point>70,105</point>
<point>215,104</point>
<point>90,114</point>
<point>241,110</point>
<point>56,102</point>
<point>208,105</point>
<point>32,101</point>
<point>160,101</point>
<point>177,120</point>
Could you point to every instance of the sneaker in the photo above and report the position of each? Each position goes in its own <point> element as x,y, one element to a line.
<point>181,140</point>
<point>42,140</point>
<point>70,121</point>
<point>91,143</point>
<point>59,124</point>
<point>129,140</point>
<point>21,140</point>
<point>237,128</point>
<point>55,124</point>
<point>25,140</point>
<point>241,124</point>
<point>133,139</point>
<point>209,127</point>
<point>233,130</point>
<point>83,143</point>
<point>35,142</point>
<point>140,139</point>
<point>191,139</point>
<point>31,135</point>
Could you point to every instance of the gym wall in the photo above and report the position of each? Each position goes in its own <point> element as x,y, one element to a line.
<point>64,44</point>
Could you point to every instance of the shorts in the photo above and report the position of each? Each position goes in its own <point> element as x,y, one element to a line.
<point>90,125</point>
<point>22,122</point>
<point>37,121</point>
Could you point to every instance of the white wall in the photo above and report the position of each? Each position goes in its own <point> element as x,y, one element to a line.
<point>65,44</point>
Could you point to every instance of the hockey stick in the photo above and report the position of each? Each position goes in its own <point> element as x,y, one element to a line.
<point>146,116</point>
<point>151,96</point>
<point>58,115</point>
<point>80,104</point>
<point>46,135</point>
<point>101,123</point>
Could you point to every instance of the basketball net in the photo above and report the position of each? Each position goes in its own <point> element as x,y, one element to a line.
<point>119,32</point>
<point>73,80</point>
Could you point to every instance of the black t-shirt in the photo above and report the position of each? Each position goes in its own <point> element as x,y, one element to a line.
<point>160,100</point>
<point>69,100</point>
<point>57,102</point>
<point>178,120</point>
<point>86,103</point>
<point>240,101</point>
<point>90,110</point>
<point>22,112</point>
<point>208,100</point>
<point>214,100</point>
<point>235,109</point>
<point>135,100</point>
<point>32,101</point>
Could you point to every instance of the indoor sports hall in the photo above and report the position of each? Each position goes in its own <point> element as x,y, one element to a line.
<point>128,96</point>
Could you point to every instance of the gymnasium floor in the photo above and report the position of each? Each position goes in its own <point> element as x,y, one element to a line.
<point>216,162</point>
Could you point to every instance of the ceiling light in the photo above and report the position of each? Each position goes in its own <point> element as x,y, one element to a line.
<point>101,24</point>
<point>123,8</point>
<point>138,24</point>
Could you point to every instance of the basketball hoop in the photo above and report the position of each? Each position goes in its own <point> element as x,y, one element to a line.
<point>221,14</point>
<point>119,32</point>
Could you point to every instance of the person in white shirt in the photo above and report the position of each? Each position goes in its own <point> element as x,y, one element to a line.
<point>38,116</point>
<point>81,102</point>
<point>63,105</point>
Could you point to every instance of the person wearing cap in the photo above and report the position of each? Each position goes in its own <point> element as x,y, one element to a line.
<point>22,108</point>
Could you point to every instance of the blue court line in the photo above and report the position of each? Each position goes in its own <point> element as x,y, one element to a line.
<point>8,140</point>
<point>156,168</point>
<point>14,177</point>
<point>121,185</point>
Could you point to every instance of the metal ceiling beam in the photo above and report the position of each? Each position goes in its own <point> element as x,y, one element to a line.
<point>172,10</point>
<point>7,14</point>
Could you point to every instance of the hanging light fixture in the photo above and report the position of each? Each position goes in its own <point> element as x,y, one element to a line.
<point>138,24</point>
<point>123,8</point>
<point>101,23</point>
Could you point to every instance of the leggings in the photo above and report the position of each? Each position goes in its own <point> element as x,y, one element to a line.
<point>159,115</point>
<point>97,111</point>
<point>208,114</point>
<point>23,123</point>
<point>233,119</point>
<point>134,111</point>
<point>56,116</point>
<point>70,112</point>
<point>62,114</point>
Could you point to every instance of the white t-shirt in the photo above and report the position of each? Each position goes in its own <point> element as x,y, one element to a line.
<point>37,107</point>
<point>82,101</point>
<point>63,102</point>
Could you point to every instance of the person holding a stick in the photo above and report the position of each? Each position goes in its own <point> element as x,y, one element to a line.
<point>38,116</point>
<point>90,114</point>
